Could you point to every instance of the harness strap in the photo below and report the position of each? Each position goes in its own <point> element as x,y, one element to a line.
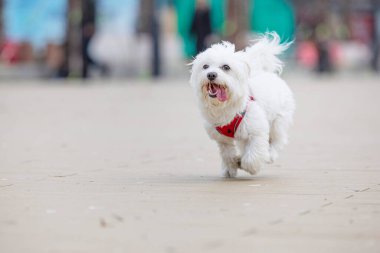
<point>230,129</point>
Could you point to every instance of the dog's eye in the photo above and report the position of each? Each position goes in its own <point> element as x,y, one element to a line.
<point>225,67</point>
<point>205,66</point>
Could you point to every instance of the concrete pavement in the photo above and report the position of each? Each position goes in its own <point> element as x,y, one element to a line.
<point>125,166</point>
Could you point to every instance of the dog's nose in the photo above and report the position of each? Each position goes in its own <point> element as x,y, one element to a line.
<point>212,76</point>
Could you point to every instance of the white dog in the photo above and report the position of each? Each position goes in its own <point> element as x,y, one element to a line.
<point>247,107</point>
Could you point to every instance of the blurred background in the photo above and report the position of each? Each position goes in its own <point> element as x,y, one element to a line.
<point>156,38</point>
<point>120,162</point>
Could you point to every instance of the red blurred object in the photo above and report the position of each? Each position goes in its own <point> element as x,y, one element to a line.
<point>307,54</point>
<point>362,27</point>
<point>335,50</point>
<point>10,52</point>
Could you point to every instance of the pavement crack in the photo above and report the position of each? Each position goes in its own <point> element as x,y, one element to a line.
<point>117,217</point>
<point>67,175</point>
<point>6,185</point>
<point>249,232</point>
<point>327,204</point>
<point>304,212</point>
<point>275,222</point>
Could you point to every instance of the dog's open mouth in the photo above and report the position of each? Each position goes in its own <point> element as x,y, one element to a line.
<point>217,91</point>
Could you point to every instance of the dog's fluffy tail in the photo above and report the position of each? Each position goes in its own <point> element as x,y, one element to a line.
<point>263,53</point>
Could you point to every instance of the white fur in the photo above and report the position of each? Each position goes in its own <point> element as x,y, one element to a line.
<point>254,72</point>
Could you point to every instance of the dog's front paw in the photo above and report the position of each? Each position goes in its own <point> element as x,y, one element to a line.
<point>230,170</point>
<point>273,155</point>
<point>252,166</point>
<point>229,173</point>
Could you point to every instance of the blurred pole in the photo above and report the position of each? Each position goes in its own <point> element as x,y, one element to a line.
<point>323,37</point>
<point>155,33</point>
<point>148,23</point>
<point>73,64</point>
<point>237,22</point>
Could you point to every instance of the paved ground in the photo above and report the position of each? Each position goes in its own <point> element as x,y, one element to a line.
<point>128,168</point>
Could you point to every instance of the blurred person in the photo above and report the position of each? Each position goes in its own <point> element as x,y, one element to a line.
<point>375,61</point>
<point>201,24</point>
<point>88,31</point>
<point>322,38</point>
<point>54,57</point>
<point>149,23</point>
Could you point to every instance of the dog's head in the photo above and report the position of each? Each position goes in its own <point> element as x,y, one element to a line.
<point>219,75</point>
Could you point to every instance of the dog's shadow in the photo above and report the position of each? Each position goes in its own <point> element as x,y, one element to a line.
<point>171,179</point>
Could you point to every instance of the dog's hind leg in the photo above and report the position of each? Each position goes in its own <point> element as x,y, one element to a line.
<point>230,159</point>
<point>278,136</point>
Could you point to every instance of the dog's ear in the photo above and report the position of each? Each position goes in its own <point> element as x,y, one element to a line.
<point>192,77</point>
<point>248,67</point>
<point>191,81</point>
<point>191,64</point>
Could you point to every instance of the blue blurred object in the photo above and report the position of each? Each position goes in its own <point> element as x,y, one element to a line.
<point>118,16</point>
<point>38,22</point>
<point>273,15</point>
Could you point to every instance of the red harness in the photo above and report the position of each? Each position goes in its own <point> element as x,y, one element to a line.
<point>229,130</point>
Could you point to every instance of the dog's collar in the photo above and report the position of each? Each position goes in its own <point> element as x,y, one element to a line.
<point>229,130</point>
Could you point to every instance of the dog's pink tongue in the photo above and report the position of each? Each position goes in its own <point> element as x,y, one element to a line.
<point>221,94</point>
